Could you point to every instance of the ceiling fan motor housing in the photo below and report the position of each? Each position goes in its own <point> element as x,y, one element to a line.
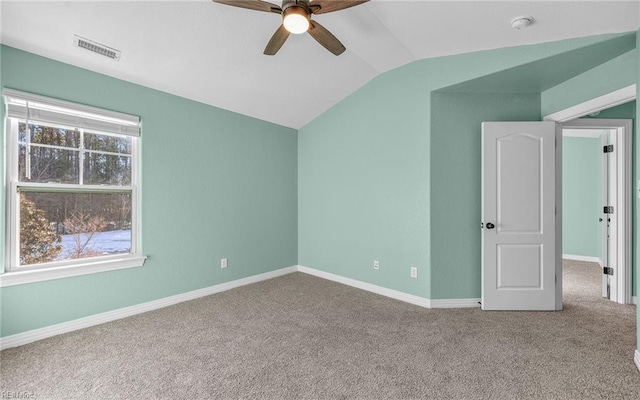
<point>300,7</point>
<point>304,4</point>
<point>296,10</point>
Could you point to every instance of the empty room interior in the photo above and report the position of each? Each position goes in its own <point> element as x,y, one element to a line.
<point>319,199</point>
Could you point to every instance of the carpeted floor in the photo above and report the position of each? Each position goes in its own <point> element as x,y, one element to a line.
<point>301,337</point>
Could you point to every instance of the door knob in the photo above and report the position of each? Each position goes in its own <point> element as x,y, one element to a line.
<point>490,225</point>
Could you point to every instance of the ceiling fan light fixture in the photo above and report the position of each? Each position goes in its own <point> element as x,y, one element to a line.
<point>296,20</point>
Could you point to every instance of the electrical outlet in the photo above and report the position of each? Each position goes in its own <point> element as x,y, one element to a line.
<point>223,263</point>
<point>376,264</point>
<point>414,272</point>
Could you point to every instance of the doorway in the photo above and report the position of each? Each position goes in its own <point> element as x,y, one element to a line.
<point>590,107</point>
<point>598,217</point>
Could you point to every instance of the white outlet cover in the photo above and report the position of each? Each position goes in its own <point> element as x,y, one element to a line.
<point>376,264</point>
<point>414,272</point>
<point>223,263</point>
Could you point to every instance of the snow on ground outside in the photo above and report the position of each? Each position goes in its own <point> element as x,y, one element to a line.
<point>112,242</point>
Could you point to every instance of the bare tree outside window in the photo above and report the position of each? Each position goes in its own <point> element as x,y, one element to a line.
<point>83,227</point>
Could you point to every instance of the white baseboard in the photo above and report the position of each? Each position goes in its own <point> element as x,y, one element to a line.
<point>636,358</point>
<point>394,294</point>
<point>582,258</point>
<point>455,303</point>
<point>23,338</point>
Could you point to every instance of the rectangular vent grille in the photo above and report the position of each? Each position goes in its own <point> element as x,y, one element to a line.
<point>97,48</point>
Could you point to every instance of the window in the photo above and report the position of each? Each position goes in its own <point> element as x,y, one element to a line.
<point>72,197</point>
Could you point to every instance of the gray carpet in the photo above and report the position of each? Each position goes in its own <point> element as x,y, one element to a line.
<point>301,337</point>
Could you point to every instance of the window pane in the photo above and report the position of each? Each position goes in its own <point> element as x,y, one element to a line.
<point>50,135</point>
<point>61,226</point>
<point>107,143</point>
<point>106,169</point>
<point>48,165</point>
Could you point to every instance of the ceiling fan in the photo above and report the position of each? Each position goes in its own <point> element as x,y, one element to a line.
<point>296,18</point>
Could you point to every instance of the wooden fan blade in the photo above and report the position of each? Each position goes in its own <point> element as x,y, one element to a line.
<point>277,40</point>
<point>257,5</point>
<point>326,38</point>
<point>326,6</point>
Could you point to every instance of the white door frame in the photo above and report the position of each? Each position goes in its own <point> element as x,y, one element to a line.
<point>609,231</point>
<point>621,217</point>
<point>600,103</point>
<point>624,129</point>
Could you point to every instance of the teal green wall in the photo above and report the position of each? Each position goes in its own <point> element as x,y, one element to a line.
<point>456,120</point>
<point>214,184</point>
<point>623,111</point>
<point>363,185</point>
<point>367,167</point>
<point>582,196</point>
<point>612,75</point>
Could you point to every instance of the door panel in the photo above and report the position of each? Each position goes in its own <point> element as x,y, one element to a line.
<point>520,240</point>
<point>519,267</point>
<point>519,152</point>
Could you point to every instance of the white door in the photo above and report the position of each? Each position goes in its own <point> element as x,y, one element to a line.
<point>521,214</point>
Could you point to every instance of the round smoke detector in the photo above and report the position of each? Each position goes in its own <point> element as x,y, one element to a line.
<point>521,22</point>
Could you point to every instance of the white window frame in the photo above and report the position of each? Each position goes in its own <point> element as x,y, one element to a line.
<point>27,107</point>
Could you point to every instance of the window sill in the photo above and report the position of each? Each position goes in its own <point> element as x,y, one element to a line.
<point>13,278</point>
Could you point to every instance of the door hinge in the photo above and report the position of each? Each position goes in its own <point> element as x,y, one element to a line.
<point>608,148</point>
<point>608,210</point>
<point>607,270</point>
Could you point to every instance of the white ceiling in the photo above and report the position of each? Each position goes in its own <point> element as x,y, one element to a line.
<point>213,53</point>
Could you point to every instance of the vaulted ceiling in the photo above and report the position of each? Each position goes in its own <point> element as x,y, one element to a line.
<point>212,53</point>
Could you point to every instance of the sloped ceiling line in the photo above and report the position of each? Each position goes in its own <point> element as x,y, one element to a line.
<point>212,53</point>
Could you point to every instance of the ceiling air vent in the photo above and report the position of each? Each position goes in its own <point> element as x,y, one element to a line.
<point>98,48</point>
